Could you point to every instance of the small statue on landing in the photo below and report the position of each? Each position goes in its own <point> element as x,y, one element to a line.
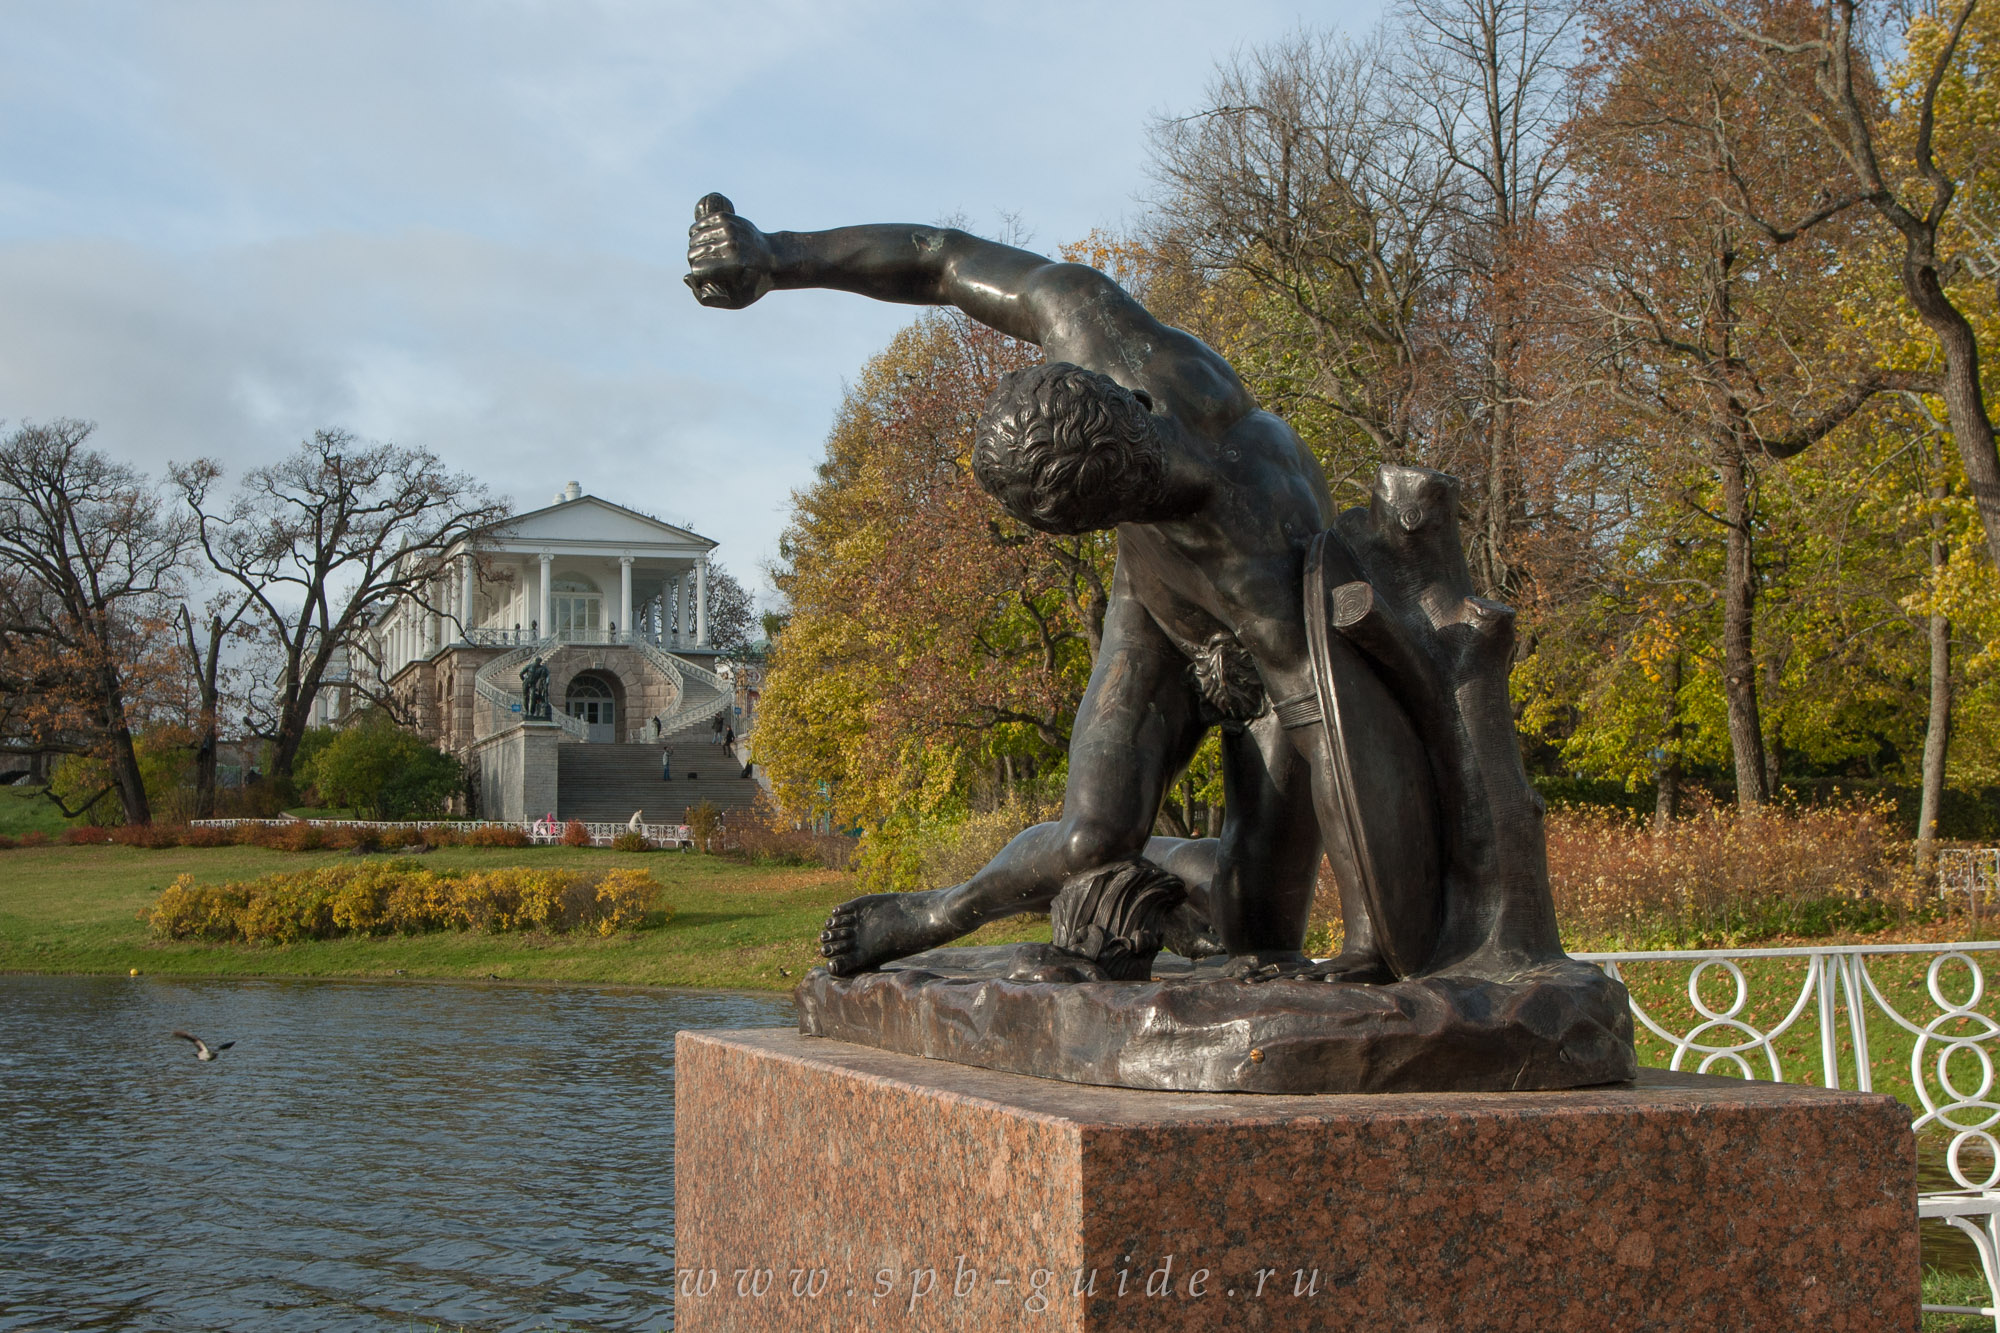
<point>1360,687</point>
<point>535,692</point>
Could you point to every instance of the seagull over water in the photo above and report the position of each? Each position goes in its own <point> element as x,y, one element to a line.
<point>202,1050</point>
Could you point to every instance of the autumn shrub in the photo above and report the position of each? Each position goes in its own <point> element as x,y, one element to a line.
<point>952,852</point>
<point>496,835</point>
<point>762,835</point>
<point>628,899</point>
<point>356,838</point>
<point>704,822</point>
<point>1721,879</point>
<point>631,841</point>
<point>147,835</point>
<point>574,834</point>
<point>400,897</point>
<point>85,835</point>
<point>34,838</point>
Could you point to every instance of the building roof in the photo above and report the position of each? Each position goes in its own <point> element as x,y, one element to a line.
<point>589,520</point>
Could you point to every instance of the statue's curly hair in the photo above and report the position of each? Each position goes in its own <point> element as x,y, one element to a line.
<point>1068,450</point>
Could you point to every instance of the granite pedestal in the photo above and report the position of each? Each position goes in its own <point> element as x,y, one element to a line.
<point>821,1185</point>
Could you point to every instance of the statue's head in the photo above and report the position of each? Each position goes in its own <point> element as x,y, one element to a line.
<point>1068,450</point>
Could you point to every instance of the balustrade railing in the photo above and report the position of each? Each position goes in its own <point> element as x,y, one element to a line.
<point>494,636</point>
<point>486,684</point>
<point>492,682</point>
<point>1971,872</point>
<point>1776,1005</point>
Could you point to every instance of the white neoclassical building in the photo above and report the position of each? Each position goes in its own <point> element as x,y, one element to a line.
<point>615,604</point>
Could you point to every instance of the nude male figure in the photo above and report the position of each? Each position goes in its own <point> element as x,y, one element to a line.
<point>1142,427</point>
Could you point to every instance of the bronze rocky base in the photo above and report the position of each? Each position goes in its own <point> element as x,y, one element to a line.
<point>1189,1029</point>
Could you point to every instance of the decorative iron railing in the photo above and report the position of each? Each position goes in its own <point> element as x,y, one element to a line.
<point>1844,1008</point>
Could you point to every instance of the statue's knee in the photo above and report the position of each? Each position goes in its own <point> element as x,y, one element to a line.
<point>1086,845</point>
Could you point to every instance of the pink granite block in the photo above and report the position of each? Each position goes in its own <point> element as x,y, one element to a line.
<point>821,1185</point>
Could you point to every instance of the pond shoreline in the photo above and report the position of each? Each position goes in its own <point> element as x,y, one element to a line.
<point>77,911</point>
<point>374,979</point>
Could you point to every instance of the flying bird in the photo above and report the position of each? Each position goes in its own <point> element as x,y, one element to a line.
<point>202,1050</point>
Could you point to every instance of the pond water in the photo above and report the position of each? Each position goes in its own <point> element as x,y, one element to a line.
<point>368,1156</point>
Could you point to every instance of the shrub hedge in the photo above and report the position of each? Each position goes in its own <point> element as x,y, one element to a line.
<point>399,897</point>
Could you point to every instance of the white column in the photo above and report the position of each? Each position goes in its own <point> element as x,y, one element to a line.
<point>673,596</point>
<point>468,593</point>
<point>625,596</point>
<point>701,600</point>
<point>542,608</point>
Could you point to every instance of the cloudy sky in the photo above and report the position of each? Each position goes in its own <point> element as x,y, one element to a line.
<point>460,223</point>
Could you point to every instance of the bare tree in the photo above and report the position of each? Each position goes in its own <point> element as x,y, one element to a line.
<point>320,543</point>
<point>89,554</point>
<point>1495,104</point>
<point>732,612</point>
<point>1303,176</point>
<point>203,650</point>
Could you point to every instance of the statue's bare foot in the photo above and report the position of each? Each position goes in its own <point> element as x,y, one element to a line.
<point>1367,969</point>
<point>864,933</point>
<point>1271,965</point>
<point>1266,965</point>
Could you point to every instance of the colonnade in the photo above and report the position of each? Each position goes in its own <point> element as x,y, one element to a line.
<point>683,602</point>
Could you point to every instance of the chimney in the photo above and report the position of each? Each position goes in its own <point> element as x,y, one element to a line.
<point>572,492</point>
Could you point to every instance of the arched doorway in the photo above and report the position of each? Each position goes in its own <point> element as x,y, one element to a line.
<point>593,700</point>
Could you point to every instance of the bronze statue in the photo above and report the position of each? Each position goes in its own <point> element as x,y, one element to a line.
<point>535,692</point>
<point>1361,689</point>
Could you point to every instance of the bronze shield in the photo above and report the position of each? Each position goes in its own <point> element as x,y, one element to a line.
<point>1377,800</point>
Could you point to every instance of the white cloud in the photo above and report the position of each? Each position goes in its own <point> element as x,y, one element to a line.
<point>458,223</point>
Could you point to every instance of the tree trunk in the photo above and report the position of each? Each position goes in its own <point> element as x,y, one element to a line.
<point>1965,407</point>
<point>1667,804</point>
<point>1937,735</point>
<point>1494,574</point>
<point>1937,739</point>
<point>207,672</point>
<point>1739,657</point>
<point>125,777</point>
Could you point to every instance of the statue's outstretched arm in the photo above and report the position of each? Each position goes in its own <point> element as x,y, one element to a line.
<point>1072,311</point>
<point>731,263</point>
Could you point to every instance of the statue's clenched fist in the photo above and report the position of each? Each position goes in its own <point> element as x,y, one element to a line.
<point>729,260</point>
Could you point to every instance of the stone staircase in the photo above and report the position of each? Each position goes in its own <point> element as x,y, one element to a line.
<point>609,782</point>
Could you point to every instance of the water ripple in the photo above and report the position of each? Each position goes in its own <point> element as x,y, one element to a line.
<point>370,1156</point>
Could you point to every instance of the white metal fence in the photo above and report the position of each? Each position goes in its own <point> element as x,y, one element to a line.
<point>1951,1066</point>
<point>541,832</point>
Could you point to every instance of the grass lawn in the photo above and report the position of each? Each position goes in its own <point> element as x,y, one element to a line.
<point>77,909</point>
